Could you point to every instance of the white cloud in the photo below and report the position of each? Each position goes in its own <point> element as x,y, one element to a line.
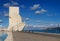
<point>1,21</point>
<point>51,15</point>
<point>35,21</point>
<point>45,25</point>
<point>7,5</point>
<point>41,27</point>
<point>1,26</point>
<point>10,4</point>
<point>22,6</point>
<point>41,11</point>
<point>38,12</point>
<point>14,3</point>
<point>6,13</point>
<point>37,26</point>
<point>35,6</point>
<point>26,18</point>
<point>52,25</point>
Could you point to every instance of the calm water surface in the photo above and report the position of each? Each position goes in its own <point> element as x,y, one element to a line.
<point>6,36</point>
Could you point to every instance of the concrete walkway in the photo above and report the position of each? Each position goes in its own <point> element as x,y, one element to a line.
<point>21,36</point>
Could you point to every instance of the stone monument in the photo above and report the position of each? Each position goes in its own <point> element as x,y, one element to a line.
<point>15,20</point>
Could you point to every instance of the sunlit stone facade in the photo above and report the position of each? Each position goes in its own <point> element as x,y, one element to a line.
<point>15,20</point>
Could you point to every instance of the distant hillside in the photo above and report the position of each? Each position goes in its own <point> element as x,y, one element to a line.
<point>56,28</point>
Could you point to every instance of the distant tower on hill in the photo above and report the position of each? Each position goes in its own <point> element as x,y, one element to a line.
<point>15,20</point>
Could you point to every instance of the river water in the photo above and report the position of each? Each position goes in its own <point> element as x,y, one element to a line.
<point>6,36</point>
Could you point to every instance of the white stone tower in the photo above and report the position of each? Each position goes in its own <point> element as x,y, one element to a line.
<point>15,20</point>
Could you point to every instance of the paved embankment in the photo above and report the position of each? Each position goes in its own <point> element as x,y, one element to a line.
<point>21,36</point>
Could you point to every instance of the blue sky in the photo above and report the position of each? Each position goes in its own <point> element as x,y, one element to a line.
<point>33,12</point>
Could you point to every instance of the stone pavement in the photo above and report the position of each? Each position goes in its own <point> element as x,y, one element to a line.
<point>21,36</point>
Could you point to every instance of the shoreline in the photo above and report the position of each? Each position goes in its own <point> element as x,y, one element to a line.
<point>48,33</point>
